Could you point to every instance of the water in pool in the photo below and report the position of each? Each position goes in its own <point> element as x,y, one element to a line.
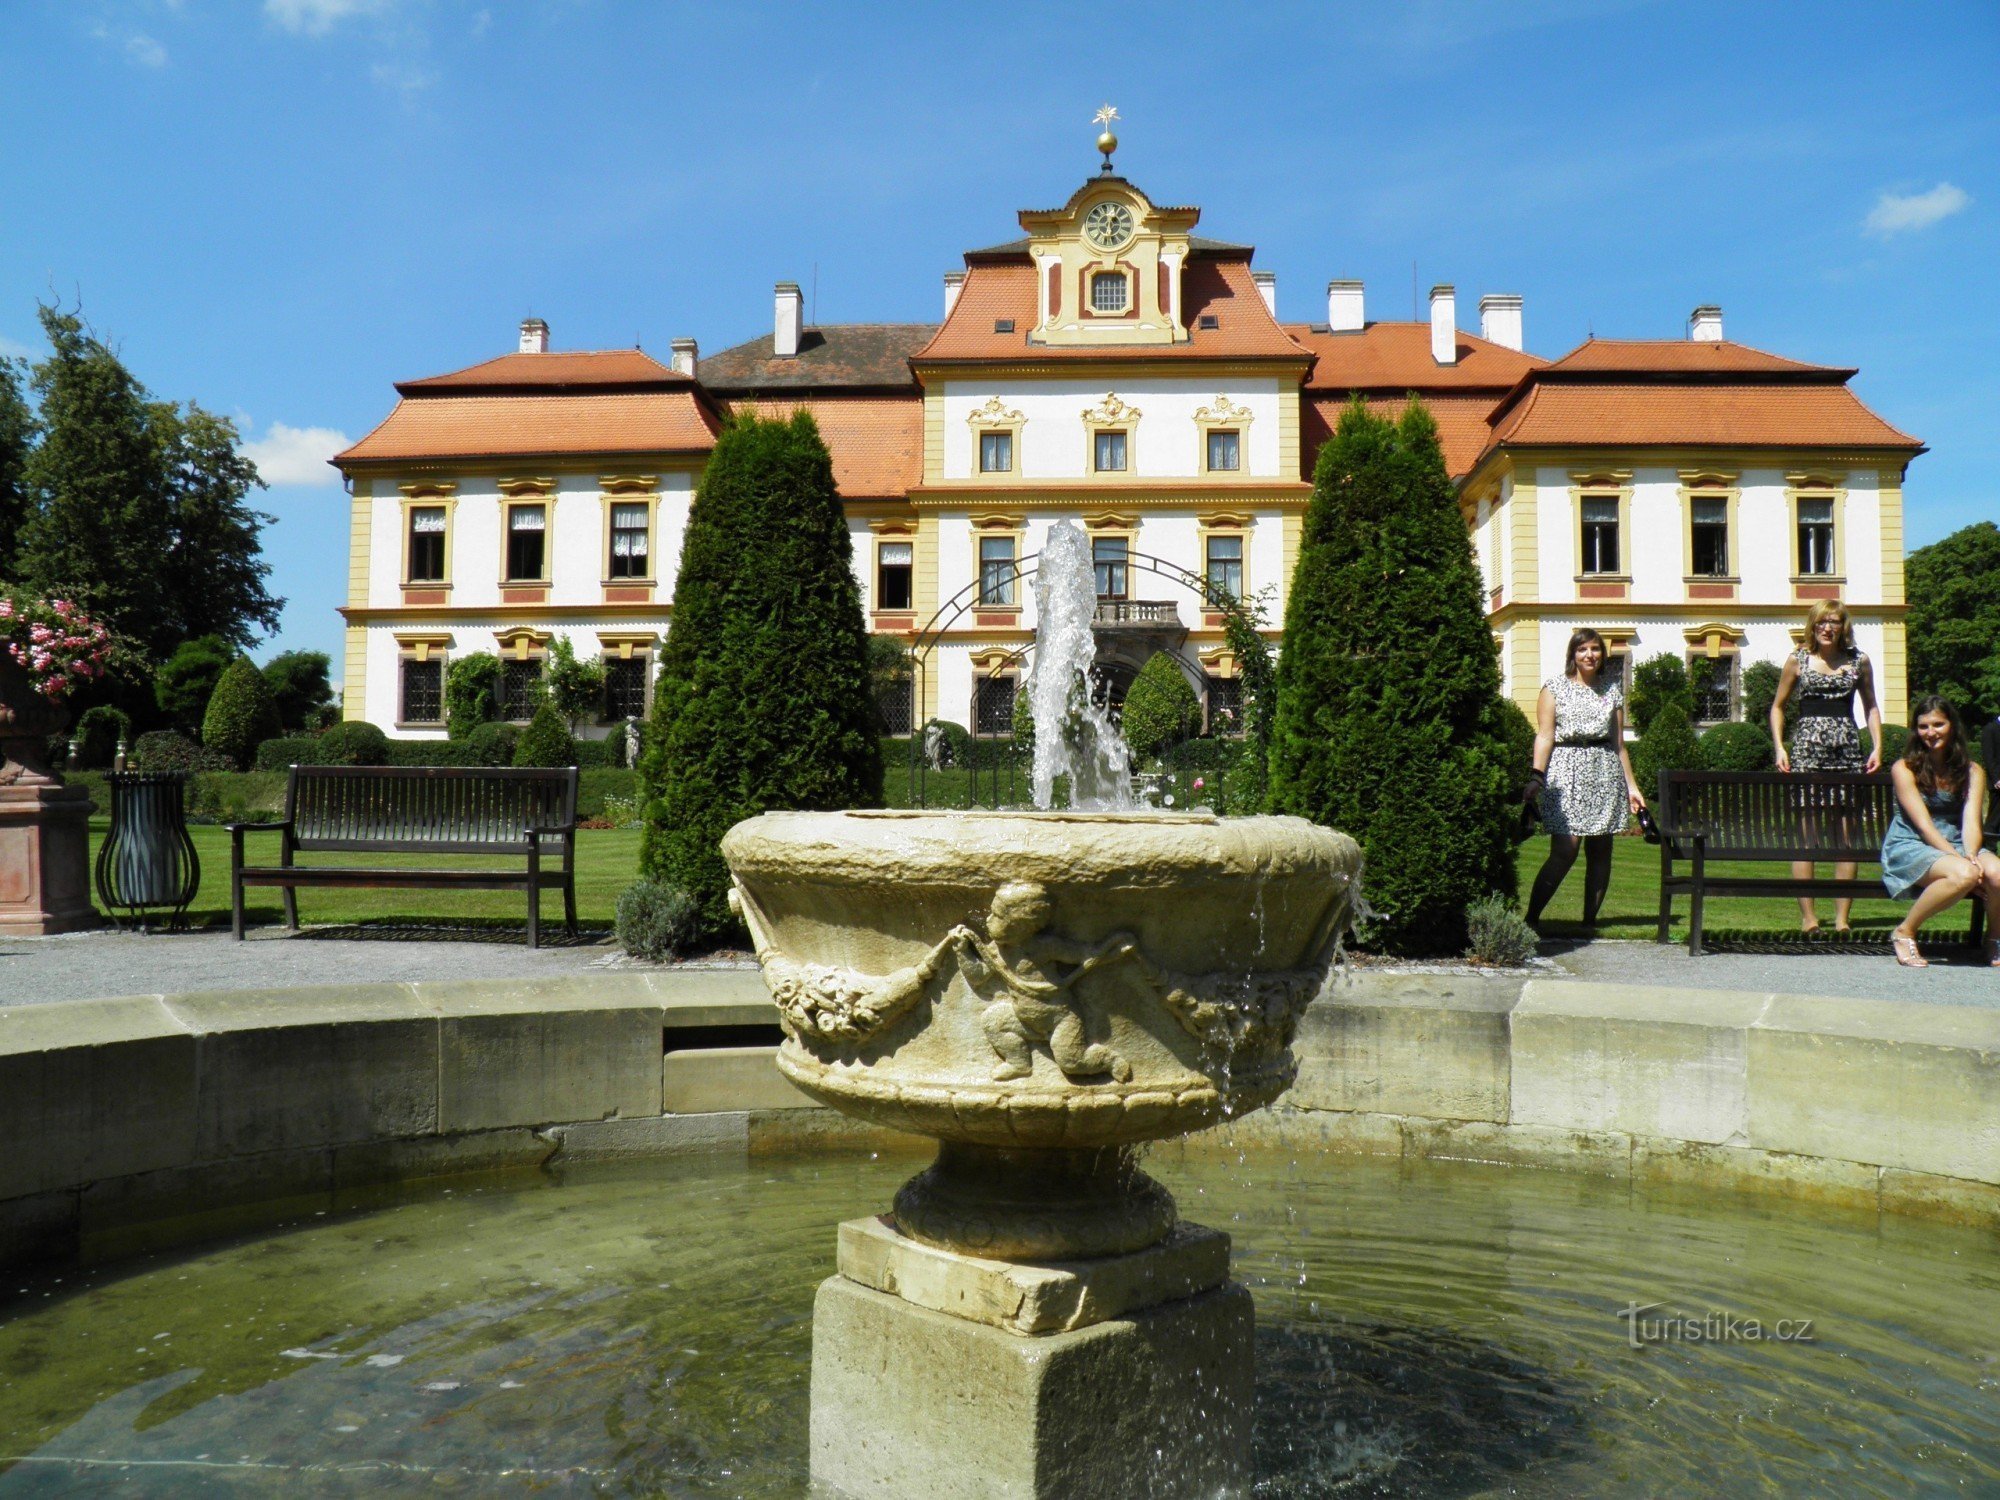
<point>646,1330</point>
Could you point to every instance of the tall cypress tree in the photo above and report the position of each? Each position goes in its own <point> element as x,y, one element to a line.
<point>763,698</point>
<point>17,438</point>
<point>1389,722</point>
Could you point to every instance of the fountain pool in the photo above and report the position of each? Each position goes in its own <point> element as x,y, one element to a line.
<point>1423,1329</point>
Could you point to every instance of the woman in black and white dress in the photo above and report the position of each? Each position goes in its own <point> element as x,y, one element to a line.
<point>1582,775</point>
<point>1827,674</point>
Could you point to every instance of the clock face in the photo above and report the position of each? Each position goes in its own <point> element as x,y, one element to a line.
<point>1108,225</point>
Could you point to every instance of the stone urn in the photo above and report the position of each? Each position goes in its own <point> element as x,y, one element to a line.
<point>44,825</point>
<point>1041,993</point>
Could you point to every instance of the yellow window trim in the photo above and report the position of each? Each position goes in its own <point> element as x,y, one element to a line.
<point>997,416</point>
<point>1710,484</point>
<point>545,504</point>
<point>1601,484</point>
<point>1817,485</point>
<point>428,497</point>
<point>1223,416</point>
<point>612,492</point>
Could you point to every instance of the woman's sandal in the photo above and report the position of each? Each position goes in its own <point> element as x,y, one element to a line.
<point>1993,953</point>
<point>1907,952</point>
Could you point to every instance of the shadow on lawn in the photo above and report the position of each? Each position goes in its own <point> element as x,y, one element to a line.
<point>498,932</point>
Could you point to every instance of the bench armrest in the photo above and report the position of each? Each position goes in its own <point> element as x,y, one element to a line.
<point>536,831</point>
<point>256,827</point>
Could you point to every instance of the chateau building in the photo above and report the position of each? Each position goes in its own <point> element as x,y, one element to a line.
<point>1113,368</point>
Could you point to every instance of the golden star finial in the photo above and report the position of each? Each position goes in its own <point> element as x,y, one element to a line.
<point>1105,115</point>
<point>1106,141</point>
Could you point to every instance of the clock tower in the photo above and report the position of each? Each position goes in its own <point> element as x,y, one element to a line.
<point>1108,267</point>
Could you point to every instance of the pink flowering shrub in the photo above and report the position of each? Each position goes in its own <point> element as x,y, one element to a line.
<point>58,645</point>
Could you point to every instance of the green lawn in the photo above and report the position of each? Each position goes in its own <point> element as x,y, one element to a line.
<point>608,861</point>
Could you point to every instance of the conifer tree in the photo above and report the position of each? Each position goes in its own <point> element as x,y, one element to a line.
<point>1389,723</point>
<point>17,438</point>
<point>763,700</point>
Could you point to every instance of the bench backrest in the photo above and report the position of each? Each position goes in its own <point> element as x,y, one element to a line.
<point>1776,815</point>
<point>440,809</point>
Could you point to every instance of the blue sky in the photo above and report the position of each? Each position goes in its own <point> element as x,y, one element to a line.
<point>278,207</point>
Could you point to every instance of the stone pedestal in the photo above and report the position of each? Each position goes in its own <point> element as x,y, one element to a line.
<point>44,860</point>
<point>944,1376</point>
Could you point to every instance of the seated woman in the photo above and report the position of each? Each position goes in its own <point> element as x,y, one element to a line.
<point>1932,849</point>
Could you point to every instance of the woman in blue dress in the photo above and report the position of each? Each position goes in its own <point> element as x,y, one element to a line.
<point>1932,849</point>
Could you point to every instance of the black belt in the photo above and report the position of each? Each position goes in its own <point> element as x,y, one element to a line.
<point>1603,744</point>
<point>1810,710</point>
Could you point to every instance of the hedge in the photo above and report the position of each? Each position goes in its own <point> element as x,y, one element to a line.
<point>219,796</point>
<point>1736,747</point>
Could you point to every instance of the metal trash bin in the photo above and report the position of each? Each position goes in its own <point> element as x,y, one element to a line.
<point>147,862</point>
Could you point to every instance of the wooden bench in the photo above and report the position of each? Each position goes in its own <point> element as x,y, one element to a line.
<point>418,810</point>
<point>1769,815</point>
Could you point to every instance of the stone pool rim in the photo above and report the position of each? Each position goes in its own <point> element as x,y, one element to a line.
<point>146,1121</point>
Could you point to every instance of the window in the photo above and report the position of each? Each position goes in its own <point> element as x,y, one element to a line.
<point>625,687</point>
<point>1600,533</point>
<point>1110,452</point>
<point>1618,670</point>
<point>896,703</point>
<point>1225,451</point>
<point>1714,683</point>
<point>1208,320</point>
<point>423,691</point>
<point>427,544</point>
<point>892,576</point>
<point>1107,292</point>
<point>1003,325</point>
<point>993,706</point>
<point>630,542</point>
<point>1708,522</point>
<point>996,452</point>
<point>1225,567</point>
<point>996,570</point>
<point>1225,705</point>
<point>527,533</point>
<point>519,681</point>
<point>1108,556</point>
<point>1816,536</point>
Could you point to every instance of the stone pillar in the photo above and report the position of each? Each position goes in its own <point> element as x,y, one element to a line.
<point>44,860</point>
<point>947,1376</point>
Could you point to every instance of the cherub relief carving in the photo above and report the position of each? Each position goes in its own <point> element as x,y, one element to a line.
<point>1030,975</point>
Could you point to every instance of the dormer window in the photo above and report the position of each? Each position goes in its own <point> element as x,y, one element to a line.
<point>1208,321</point>
<point>1108,292</point>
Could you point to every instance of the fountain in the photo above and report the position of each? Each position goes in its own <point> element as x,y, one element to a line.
<point>1041,992</point>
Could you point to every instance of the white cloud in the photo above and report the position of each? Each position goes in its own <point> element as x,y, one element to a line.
<point>403,78</point>
<point>145,51</point>
<point>14,349</point>
<point>1898,213</point>
<point>297,455</point>
<point>317,17</point>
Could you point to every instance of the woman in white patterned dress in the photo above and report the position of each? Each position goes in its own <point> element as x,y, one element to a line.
<point>1582,774</point>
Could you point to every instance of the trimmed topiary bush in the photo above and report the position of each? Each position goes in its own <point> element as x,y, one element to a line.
<point>353,743</point>
<point>657,922</point>
<point>493,744</point>
<point>1389,723</point>
<point>241,713</point>
<point>1735,747</point>
<point>1760,691</point>
<point>1670,745</point>
<point>287,750</point>
<point>471,693</point>
<point>1161,709</point>
<point>604,754</point>
<point>1658,682</point>
<point>170,750</point>
<point>1895,737</point>
<point>763,699</point>
<point>546,742</point>
<point>186,680</point>
<point>431,753</point>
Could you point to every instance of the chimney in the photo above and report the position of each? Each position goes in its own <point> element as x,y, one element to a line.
<point>1267,288</point>
<point>686,356</point>
<point>954,283</point>
<point>1500,320</point>
<point>1343,307</point>
<point>791,321</point>
<point>534,336</point>
<point>1444,325</point>
<point>1705,325</point>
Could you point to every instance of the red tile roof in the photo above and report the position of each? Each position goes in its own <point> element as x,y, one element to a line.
<point>1461,420</point>
<point>1006,290</point>
<point>877,442</point>
<point>483,425</point>
<point>567,370</point>
<point>1397,357</point>
<point>1678,356</point>
<point>1738,414</point>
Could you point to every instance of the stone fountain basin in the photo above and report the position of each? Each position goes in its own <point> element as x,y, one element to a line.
<point>917,960</point>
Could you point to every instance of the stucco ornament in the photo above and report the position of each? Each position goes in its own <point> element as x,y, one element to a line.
<point>1040,992</point>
